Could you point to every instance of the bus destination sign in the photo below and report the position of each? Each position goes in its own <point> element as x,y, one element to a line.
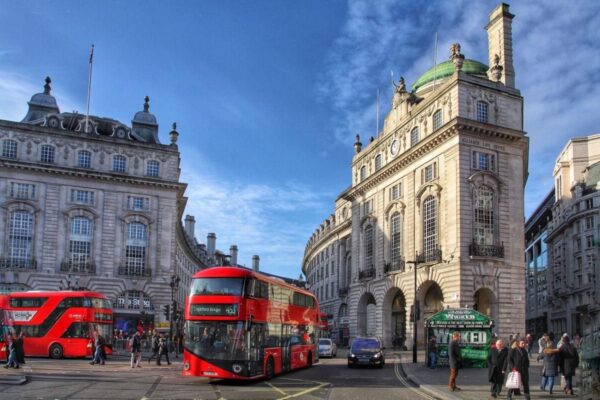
<point>225,310</point>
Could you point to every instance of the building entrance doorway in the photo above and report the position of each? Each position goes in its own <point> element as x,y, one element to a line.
<point>399,320</point>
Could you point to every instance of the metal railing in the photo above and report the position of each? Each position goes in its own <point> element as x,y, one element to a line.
<point>134,271</point>
<point>366,273</point>
<point>18,263</point>
<point>486,250</point>
<point>78,267</point>
<point>431,256</point>
<point>394,266</point>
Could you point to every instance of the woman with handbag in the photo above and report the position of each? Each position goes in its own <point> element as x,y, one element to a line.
<point>518,361</point>
<point>550,368</point>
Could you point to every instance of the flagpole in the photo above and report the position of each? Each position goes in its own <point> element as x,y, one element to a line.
<point>435,61</point>
<point>377,117</point>
<point>89,91</point>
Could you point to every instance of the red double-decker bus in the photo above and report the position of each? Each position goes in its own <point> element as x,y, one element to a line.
<point>57,324</point>
<point>241,324</point>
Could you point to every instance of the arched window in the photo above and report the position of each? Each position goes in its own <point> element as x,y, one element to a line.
<point>482,111</point>
<point>47,154</point>
<point>430,235</point>
<point>80,245</point>
<point>369,247</point>
<point>84,159</point>
<point>378,162</point>
<point>9,148</point>
<point>396,239</point>
<point>153,168</point>
<point>414,136</point>
<point>437,120</point>
<point>20,239</point>
<point>363,173</point>
<point>135,250</point>
<point>483,229</point>
<point>119,163</point>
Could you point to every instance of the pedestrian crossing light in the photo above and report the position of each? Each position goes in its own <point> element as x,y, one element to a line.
<point>175,314</point>
<point>166,311</point>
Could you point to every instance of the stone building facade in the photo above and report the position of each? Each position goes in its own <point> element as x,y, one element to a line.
<point>93,203</point>
<point>572,239</point>
<point>440,189</point>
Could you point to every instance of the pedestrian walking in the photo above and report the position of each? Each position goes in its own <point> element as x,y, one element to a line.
<point>135,344</point>
<point>12,353</point>
<point>163,350</point>
<point>497,366</point>
<point>569,361</point>
<point>529,339</point>
<point>155,342</point>
<point>455,360</point>
<point>98,348</point>
<point>176,345</point>
<point>432,349</point>
<point>542,343</point>
<point>550,368</point>
<point>518,360</point>
<point>20,352</point>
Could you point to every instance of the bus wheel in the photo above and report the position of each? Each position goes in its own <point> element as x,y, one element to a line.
<point>270,372</point>
<point>309,360</point>
<point>56,351</point>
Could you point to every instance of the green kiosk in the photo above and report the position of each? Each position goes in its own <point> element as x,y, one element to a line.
<point>475,332</point>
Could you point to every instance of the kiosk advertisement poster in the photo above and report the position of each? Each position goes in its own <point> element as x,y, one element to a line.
<point>475,333</point>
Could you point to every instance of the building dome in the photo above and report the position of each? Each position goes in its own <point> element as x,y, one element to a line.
<point>42,104</point>
<point>446,69</point>
<point>144,127</point>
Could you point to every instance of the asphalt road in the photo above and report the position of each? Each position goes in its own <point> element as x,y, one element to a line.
<point>77,379</point>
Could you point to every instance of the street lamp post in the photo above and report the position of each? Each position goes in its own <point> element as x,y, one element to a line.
<point>174,286</point>
<point>415,310</point>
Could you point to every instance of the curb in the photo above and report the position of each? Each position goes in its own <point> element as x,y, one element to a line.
<point>431,390</point>
<point>13,380</point>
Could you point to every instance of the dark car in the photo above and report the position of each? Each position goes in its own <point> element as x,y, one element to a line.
<point>366,351</point>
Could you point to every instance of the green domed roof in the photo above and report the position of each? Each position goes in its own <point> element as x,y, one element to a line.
<point>446,69</point>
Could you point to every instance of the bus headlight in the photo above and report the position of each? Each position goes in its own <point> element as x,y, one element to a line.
<point>237,368</point>
<point>186,366</point>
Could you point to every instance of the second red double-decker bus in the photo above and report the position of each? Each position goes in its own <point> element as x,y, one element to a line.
<point>241,324</point>
<point>58,324</point>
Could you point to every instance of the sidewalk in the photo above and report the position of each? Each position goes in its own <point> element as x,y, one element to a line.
<point>472,381</point>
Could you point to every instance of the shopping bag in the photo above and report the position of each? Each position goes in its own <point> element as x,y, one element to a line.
<point>563,382</point>
<point>513,381</point>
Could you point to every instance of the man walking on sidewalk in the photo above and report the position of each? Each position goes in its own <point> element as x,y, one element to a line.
<point>136,350</point>
<point>455,360</point>
<point>497,366</point>
<point>518,360</point>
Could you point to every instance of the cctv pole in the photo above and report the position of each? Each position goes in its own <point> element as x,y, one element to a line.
<point>415,313</point>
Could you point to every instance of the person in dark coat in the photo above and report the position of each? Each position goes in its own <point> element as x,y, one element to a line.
<point>497,366</point>
<point>569,361</point>
<point>155,343</point>
<point>518,360</point>
<point>550,368</point>
<point>163,349</point>
<point>455,360</point>
<point>20,352</point>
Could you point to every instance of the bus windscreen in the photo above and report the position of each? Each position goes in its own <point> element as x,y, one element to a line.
<point>217,286</point>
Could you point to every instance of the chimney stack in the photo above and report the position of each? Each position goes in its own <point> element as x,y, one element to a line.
<point>233,252</point>
<point>499,31</point>
<point>211,245</point>
<point>255,263</point>
<point>190,226</point>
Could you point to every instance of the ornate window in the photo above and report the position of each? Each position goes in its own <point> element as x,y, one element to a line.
<point>368,246</point>
<point>9,148</point>
<point>437,120</point>
<point>396,238</point>
<point>47,154</point>
<point>84,159</point>
<point>135,249</point>
<point>79,196</point>
<point>414,136</point>
<point>484,161</point>
<point>363,173</point>
<point>22,190</point>
<point>378,162</point>
<point>482,111</point>
<point>429,173</point>
<point>138,203</point>
<point>484,216</point>
<point>430,234</point>
<point>119,163</point>
<point>80,244</point>
<point>396,191</point>
<point>20,238</point>
<point>153,168</point>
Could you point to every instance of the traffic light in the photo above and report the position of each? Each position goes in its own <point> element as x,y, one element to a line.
<point>166,311</point>
<point>175,314</point>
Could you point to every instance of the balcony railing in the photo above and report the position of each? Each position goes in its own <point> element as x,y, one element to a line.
<point>394,266</point>
<point>343,292</point>
<point>486,250</point>
<point>17,263</point>
<point>78,267</point>
<point>431,256</point>
<point>135,271</point>
<point>366,274</point>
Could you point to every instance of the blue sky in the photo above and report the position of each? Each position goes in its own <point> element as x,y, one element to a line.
<point>268,95</point>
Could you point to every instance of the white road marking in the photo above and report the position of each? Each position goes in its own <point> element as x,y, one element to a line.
<point>276,388</point>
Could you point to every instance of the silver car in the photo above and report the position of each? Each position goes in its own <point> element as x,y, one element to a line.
<point>327,348</point>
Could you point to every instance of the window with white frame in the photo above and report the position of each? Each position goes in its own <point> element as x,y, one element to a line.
<point>47,154</point>
<point>20,237</point>
<point>414,136</point>
<point>368,246</point>
<point>368,207</point>
<point>135,250</point>
<point>80,196</point>
<point>22,190</point>
<point>484,161</point>
<point>396,238</point>
<point>482,111</point>
<point>363,173</point>
<point>396,191</point>
<point>152,168</point>
<point>378,162</point>
<point>119,163</point>
<point>9,148</point>
<point>430,234</point>
<point>138,203</point>
<point>84,159</point>
<point>429,173</point>
<point>80,243</point>
<point>437,120</point>
<point>484,216</point>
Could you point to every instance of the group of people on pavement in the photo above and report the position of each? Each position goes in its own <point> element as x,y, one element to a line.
<point>99,354</point>
<point>160,347</point>
<point>16,353</point>
<point>562,359</point>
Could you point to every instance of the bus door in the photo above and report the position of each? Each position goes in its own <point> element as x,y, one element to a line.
<point>286,348</point>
